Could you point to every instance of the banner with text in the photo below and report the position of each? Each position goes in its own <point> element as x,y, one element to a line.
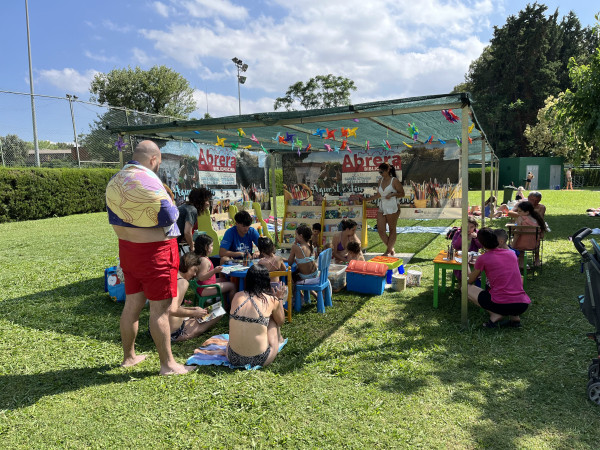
<point>233,176</point>
<point>429,176</point>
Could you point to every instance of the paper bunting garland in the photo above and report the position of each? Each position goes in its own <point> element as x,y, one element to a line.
<point>220,141</point>
<point>120,144</point>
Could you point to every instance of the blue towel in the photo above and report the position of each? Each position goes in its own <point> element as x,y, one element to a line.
<point>213,352</point>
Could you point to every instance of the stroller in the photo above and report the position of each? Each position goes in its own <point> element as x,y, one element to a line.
<point>589,303</point>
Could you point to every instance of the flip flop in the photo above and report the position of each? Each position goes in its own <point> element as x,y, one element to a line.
<point>490,324</point>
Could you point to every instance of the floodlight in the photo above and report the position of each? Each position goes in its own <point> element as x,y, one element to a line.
<point>242,80</point>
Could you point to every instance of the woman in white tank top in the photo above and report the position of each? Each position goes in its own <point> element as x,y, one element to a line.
<point>388,191</point>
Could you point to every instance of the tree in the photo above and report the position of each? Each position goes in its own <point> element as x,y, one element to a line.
<point>322,91</point>
<point>547,138</point>
<point>523,65</point>
<point>578,109</point>
<point>159,90</point>
<point>14,150</point>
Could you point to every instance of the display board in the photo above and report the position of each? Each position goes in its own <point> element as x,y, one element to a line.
<point>328,213</point>
<point>430,177</point>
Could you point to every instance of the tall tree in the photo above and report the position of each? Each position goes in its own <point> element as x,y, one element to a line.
<point>523,65</point>
<point>322,91</point>
<point>578,109</point>
<point>14,150</point>
<point>159,90</point>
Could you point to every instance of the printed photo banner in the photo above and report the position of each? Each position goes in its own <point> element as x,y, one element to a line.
<point>234,177</point>
<point>429,175</point>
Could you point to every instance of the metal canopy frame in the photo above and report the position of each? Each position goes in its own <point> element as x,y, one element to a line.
<point>377,122</point>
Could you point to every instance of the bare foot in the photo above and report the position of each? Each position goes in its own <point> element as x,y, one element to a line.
<point>179,369</point>
<point>132,361</point>
<point>392,252</point>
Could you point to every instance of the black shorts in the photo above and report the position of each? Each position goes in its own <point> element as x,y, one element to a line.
<point>505,309</point>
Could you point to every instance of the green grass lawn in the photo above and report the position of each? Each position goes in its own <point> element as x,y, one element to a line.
<point>373,372</point>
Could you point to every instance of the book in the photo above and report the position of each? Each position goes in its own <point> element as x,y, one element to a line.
<point>213,311</point>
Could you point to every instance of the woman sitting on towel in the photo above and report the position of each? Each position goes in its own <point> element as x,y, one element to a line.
<point>255,321</point>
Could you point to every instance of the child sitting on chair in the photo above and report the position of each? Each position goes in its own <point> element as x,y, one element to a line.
<point>268,258</point>
<point>302,254</point>
<point>354,251</point>
<point>207,273</point>
<point>183,321</point>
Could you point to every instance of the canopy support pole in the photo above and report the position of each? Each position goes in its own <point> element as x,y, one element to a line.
<point>274,195</point>
<point>483,183</point>
<point>464,176</point>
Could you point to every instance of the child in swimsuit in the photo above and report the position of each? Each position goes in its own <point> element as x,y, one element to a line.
<point>354,251</point>
<point>302,254</point>
<point>207,273</point>
<point>255,323</point>
<point>268,258</point>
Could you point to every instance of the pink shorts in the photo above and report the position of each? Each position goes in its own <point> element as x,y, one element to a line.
<point>150,267</point>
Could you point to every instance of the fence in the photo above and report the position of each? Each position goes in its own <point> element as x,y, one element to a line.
<point>58,121</point>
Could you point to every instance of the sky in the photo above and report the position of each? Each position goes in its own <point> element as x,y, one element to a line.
<point>390,48</point>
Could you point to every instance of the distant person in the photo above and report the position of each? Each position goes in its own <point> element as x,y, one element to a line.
<point>237,240</point>
<point>315,239</point>
<point>198,202</point>
<point>505,296</point>
<point>519,196</point>
<point>569,178</point>
<point>528,180</point>
<point>144,218</point>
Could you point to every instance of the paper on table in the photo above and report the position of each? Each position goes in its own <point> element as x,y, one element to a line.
<point>233,268</point>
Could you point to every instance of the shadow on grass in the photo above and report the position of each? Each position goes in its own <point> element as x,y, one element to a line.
<point>81,309</point>
<point>19,391</point>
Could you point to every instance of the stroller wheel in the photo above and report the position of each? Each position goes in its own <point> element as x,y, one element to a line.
<point>593,390</point>
<point>594,370</point>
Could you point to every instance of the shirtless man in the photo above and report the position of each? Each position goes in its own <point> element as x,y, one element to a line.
<point>144,219</point>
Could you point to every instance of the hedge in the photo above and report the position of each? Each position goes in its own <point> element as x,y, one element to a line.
<point>38,193</point>
<point>591,177</point>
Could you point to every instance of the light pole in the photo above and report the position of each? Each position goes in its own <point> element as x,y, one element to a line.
<point>241,79</point>
<point>71,99</point>
<point>35,136</point>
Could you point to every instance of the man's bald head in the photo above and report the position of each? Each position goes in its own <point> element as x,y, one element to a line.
<point>148,155</point>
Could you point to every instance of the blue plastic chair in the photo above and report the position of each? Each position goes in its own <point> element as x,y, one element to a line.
<point>323,287</point>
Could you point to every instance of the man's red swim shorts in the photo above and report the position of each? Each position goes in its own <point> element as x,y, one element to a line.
<point>150,267</point>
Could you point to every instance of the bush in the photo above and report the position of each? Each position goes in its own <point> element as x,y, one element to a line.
<point>37,193</point>
<point>591,177</point>
<point>475,179</point>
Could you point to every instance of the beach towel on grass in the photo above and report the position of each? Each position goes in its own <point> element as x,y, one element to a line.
<point>213,352</point>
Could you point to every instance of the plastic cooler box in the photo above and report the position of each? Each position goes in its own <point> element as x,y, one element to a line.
<point>337,276</point>
<point>391,264</point>
<point>366,277</point>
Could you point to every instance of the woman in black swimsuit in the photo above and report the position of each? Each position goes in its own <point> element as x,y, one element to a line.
<point>255,323</point>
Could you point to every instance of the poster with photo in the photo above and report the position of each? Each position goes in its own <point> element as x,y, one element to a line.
<point>235,177</point>
<point>429,176</point>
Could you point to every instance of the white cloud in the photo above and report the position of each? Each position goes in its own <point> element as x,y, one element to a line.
<point>227,105</point>
<point>69,80</point>
<point>390,48</point>
<point>213,8</point>
<point>112,26</point>
<point>161,9</point>
<point>100,57</point>
<point>141,57</point>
